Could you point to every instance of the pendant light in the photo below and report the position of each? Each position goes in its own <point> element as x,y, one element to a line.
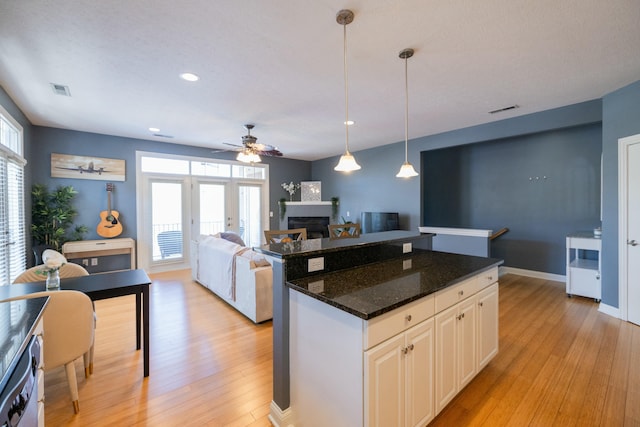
<point>406,170</point>
<point>347,162</point>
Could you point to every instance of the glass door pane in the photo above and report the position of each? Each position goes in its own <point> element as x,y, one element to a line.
<point>211,197</point>
<point>166,220</point>
<point>250,214</point>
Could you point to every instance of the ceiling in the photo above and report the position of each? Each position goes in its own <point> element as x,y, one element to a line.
<point>279,65</point>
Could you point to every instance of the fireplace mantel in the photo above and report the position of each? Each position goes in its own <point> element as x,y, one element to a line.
<point>306,209</point>
<point>307,203</point>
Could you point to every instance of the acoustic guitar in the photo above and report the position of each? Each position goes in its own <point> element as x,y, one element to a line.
<point>110,225</point>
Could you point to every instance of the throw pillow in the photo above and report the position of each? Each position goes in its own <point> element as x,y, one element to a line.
<point>232,237</point>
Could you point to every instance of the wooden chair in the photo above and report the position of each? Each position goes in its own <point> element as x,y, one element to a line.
<point>344,231</point>
<point>279,236</point>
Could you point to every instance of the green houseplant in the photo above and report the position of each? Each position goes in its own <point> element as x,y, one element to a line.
<point>52,215</point>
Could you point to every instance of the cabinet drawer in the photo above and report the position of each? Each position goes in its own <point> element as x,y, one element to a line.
<point>584,243</point>
<point>97,245</point>
<point>454,294</point>
<point>392,323</point>
<point>487,278</point>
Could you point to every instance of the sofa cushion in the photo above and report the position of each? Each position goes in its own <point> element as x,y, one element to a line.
<point>231,237</point>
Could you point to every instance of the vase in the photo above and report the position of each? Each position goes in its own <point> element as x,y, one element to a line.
<point>53,280</point>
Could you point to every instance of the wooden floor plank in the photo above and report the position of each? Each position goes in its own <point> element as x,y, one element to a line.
<point>561,362</point>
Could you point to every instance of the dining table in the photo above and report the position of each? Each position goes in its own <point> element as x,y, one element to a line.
<point>103,286</point>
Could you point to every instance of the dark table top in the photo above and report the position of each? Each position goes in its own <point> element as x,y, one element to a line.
<point>370,290</point>
<point>18,320</point>
<point>96,286</point>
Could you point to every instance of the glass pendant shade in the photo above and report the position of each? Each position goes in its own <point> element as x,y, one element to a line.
<point>406,171</point>
<point>347,163</point>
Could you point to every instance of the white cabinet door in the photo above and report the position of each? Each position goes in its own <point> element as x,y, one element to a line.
<point>466,350</point>
<point>487,325</point>
<point>446,359</point>
<point>419,374</point>
<point>384,383</point>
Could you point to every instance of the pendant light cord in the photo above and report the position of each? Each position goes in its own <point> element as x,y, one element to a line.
<point>346,89</point>
<point>406,111</point>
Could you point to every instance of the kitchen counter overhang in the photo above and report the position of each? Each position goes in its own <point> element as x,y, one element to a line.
<point>370,290</point>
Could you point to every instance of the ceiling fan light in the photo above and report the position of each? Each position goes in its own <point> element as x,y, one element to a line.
<point>247,157</point>
<point>406,171</point>
<point>347,163</point>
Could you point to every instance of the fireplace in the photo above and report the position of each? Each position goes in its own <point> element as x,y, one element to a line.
<point>316,225</point>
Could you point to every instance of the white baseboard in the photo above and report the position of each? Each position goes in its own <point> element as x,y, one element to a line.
<point>611,311</point>
<point>532,273</point>
<point>278,417</point>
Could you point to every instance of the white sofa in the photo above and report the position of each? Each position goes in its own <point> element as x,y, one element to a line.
<point>237,274</point>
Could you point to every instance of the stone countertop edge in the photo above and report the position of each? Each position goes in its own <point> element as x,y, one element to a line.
<point>385,293</point>
<point>314,247</point>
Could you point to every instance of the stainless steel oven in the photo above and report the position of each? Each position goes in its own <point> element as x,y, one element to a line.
<point>19,398</point>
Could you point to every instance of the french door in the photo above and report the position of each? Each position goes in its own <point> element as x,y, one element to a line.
<point>227,206</point>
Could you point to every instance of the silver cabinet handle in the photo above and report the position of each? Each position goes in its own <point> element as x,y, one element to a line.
<point>632,243</point>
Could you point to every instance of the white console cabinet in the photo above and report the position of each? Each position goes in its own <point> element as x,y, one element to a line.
<point>583,271</point>
<point>97,248</point>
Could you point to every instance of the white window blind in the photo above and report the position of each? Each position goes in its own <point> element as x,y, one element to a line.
<point>12,220</point>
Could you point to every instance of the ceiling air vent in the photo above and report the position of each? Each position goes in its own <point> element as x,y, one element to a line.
<point>160,135</point>
<point>501,110</point>
<point>60,89</point>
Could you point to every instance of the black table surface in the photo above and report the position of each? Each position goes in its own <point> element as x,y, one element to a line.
<point>96,286</point>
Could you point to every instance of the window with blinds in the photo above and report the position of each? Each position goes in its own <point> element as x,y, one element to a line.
<point>12,221</point>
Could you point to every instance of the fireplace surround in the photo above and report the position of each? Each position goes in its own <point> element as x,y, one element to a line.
<point>317,226</point>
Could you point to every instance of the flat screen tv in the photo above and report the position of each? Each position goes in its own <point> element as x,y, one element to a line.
<point>372,222</point>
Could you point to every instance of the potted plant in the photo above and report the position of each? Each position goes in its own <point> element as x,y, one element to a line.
<point>52,215</point>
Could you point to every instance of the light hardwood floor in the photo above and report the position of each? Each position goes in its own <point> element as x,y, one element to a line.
<point>561,362</point>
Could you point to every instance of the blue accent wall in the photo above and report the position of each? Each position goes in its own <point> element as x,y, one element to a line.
<point>620,118</point>
<point>92,197</point>
<point>541,186</point>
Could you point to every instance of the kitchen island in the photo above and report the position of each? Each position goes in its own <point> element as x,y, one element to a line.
<point>337,301</point>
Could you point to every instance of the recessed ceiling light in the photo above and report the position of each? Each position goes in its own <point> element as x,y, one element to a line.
<point>190,77</point>
<point>349,123</point>
<point>154,130</point>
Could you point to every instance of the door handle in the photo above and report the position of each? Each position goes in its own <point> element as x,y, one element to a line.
<point>632,243</point>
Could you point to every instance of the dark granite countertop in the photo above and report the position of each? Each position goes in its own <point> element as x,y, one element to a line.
<point>18,319</point>
<point>318,246</point>
<point>370,290</point>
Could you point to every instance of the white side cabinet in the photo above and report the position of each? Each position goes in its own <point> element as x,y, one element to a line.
<point>584,265</point>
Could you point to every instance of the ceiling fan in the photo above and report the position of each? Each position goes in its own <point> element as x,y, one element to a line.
<point>251,150</point>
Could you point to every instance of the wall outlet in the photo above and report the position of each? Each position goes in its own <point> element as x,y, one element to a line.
<point>406,248</point>
<point>85,262</point>
<point>94,261</point>
<point>316,264</point>
<point>270,214</point>
<point>406,264</point>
